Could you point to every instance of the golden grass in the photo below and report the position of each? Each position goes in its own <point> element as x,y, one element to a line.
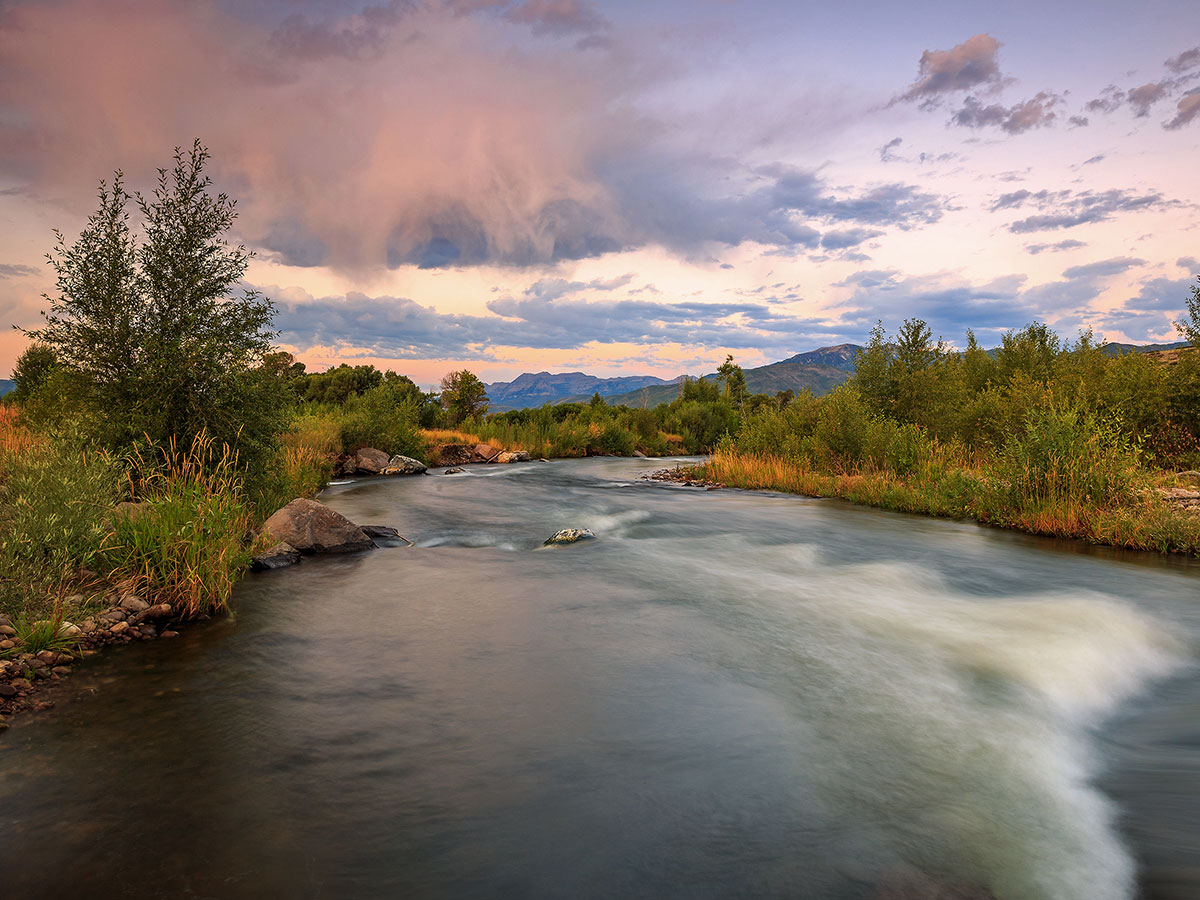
<point>16,440</point>
<point>432,440</point>
<point>940,488</point>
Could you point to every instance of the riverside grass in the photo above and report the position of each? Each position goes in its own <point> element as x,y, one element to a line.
<point>951,483</point>
<point>65,538</point>
<point>186,543</point>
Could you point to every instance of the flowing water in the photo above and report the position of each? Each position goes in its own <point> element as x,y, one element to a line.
<point>725,694</point>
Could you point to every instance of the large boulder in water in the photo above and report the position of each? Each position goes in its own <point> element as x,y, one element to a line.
<point>312,527</point>
<point>403,465</point>
<point>511,456</point>
<point>369,461</point>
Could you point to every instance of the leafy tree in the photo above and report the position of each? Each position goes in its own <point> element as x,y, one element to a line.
<point>871,372</point>
<point>1190,327</point>
<point>979,369</point>
<point>198,339</point>
<point>96,324</point>
<point>157,343</point>
<point>733,381</point>
<point>463,396</point>
<point>1031,351</point>
<point>31,372</point>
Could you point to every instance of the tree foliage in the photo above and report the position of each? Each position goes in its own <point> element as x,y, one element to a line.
<point>1189,327</point>
<point>154,333</point>
<point>31,371</point>
<point>463,396</point>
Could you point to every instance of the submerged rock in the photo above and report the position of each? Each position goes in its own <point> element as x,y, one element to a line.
<point>454,470</point>
<point>385,536</point>
<point>403,465</point>
<point>312,527</point>
<point>278,556</point>
<point>570,536</point>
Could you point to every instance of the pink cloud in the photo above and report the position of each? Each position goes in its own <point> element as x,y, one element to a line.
<point>444,125</point>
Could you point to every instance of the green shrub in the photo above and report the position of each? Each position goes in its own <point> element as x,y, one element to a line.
<point>375,419</point>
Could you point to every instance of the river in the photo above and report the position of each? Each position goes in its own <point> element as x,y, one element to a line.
<point>725,694</point>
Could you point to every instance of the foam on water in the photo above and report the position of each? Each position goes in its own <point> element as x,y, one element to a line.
<point>963,723</point>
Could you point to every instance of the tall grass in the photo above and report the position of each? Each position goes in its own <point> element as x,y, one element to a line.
<point>1099,496</point>
<point>54,500</point>
<point>186,543</point>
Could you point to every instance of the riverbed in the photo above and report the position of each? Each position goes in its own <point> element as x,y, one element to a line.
<point>724,694</point>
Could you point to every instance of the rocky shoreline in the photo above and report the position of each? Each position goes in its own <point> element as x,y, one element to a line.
<point>681,475</point>
<point>125,618</point>
<point>303,527</point>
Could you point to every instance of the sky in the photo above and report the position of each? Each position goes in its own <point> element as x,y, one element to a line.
<point>622,187</point>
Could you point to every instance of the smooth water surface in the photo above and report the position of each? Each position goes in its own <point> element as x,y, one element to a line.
<point>724,695</point>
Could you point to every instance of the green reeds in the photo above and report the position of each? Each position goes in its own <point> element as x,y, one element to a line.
<point>185,542</point>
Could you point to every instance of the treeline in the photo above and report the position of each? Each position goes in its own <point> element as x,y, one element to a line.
<point>1041,435</point>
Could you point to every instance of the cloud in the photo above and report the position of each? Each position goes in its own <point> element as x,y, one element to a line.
<point>351,37</point>
<point>1036,112</point>
<point>513,152</point>
<point>1110,100</point>
<point>1185,61</point>
<point>1104,268</point>
<point>1057,247</point>
<point>971,64</point>
<point>949,305</point>
<point>1069,209</point>
<point>558,17</point>
<point>540,318</point>
<point>1188,109</point>
<point>885,152</point>
<point>14,270</point>
<point>851,237</point>
<point>1142,98</point>
<point>1184,69</point>
<point>1078,121</point>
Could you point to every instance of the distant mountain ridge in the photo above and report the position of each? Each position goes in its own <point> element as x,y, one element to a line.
<point>539,388</point>
<point>819,371</point>
<point>838,357</point>
<point>6,385</point>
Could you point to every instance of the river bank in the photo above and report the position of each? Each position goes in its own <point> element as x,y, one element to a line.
<point>95,613</point>
<point>1156,518</point>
